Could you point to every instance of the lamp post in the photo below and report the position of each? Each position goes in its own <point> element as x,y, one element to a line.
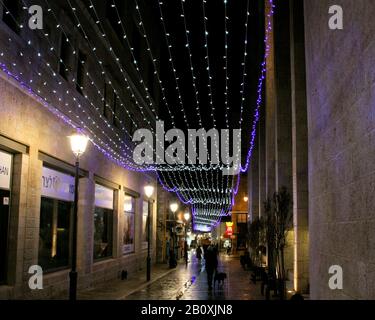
<point>78,144</point>
<point>149,190</point>
<point>186,218</point>
<point>174,206</point>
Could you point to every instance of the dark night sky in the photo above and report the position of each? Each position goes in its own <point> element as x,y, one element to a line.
<point>236,11</point>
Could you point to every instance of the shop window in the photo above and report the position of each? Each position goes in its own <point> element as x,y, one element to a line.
<point>242,218</point>
<point>129,224</point>
<point>54,233</point>
<point>55,220</point>
<point>103,222</point>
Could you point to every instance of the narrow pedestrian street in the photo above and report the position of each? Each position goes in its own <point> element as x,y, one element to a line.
<point>190,283</point>
<point>239,135</point>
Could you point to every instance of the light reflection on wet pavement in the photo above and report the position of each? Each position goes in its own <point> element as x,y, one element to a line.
<point>190,283</point>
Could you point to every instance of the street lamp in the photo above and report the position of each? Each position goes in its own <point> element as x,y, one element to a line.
<point>187,218</point>
<point>78,144</point>
<point>173,206</point>
<point>149,190</point>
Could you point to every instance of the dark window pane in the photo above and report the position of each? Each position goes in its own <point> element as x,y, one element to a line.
<point>129,224</point>
<point>103,225</point>
<point>54,233</point>
<point>81,71</point>
<point>65,51</point>
<point>115,109</point>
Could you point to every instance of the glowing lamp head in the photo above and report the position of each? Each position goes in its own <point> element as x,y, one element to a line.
<point>187,216</point>
<point>173,206</point>
<point>149,190</point>
<point>78,143</point>
<point>246,199</point>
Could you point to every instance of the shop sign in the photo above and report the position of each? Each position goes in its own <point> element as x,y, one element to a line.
<point>229,229</point>
<point>5,170</point>
<point>57,185</point>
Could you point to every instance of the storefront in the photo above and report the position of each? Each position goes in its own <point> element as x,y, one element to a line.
<point>6,160</point>
<point>56,209</point>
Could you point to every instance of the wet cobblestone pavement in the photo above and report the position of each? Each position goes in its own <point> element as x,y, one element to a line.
<point>190,283</point>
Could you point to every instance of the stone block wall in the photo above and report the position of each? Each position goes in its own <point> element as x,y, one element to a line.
<point>31,124</point>
<point>341,125</point>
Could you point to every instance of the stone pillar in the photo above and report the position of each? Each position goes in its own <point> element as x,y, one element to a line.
<point>270,122</point>
<point>85,226</point>
<point>117,223</point>
<point>17,220</point>
<point>162,208</point>
<point>32,220</point>
<point>262,159</point>
<point>283,122</point>
<point>253,183</point>
<point>270,114</point>
<point>300,147</point>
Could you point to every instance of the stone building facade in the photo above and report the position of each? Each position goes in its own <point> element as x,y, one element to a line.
<point>166,223</point>
<point>280,153</point>
<point>51,81</point>
<point>316,136</point>
<point>341,109</point>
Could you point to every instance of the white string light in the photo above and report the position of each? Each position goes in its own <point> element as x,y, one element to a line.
<point>209,200</point>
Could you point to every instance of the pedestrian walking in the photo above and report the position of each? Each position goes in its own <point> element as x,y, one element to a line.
<point>211,264</point>
<point>229,249</point>
<point>186,256</point>
<point>167,249</point>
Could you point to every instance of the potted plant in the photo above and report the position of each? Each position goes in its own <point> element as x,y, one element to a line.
<point>277,221</point>
<point>283,218</point>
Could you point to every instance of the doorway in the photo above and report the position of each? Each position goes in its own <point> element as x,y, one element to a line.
<point>4,221</point>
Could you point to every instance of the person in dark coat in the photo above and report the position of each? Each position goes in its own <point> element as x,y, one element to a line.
<point>199,253</point>
<point>210,257</point>
<point>186,254</point>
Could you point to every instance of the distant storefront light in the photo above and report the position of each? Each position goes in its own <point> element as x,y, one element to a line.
<point>229,229</point>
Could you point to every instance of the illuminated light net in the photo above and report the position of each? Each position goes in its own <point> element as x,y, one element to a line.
<point>209,193</point>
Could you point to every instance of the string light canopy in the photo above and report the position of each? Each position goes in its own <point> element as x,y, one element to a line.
<point>204,187</point>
